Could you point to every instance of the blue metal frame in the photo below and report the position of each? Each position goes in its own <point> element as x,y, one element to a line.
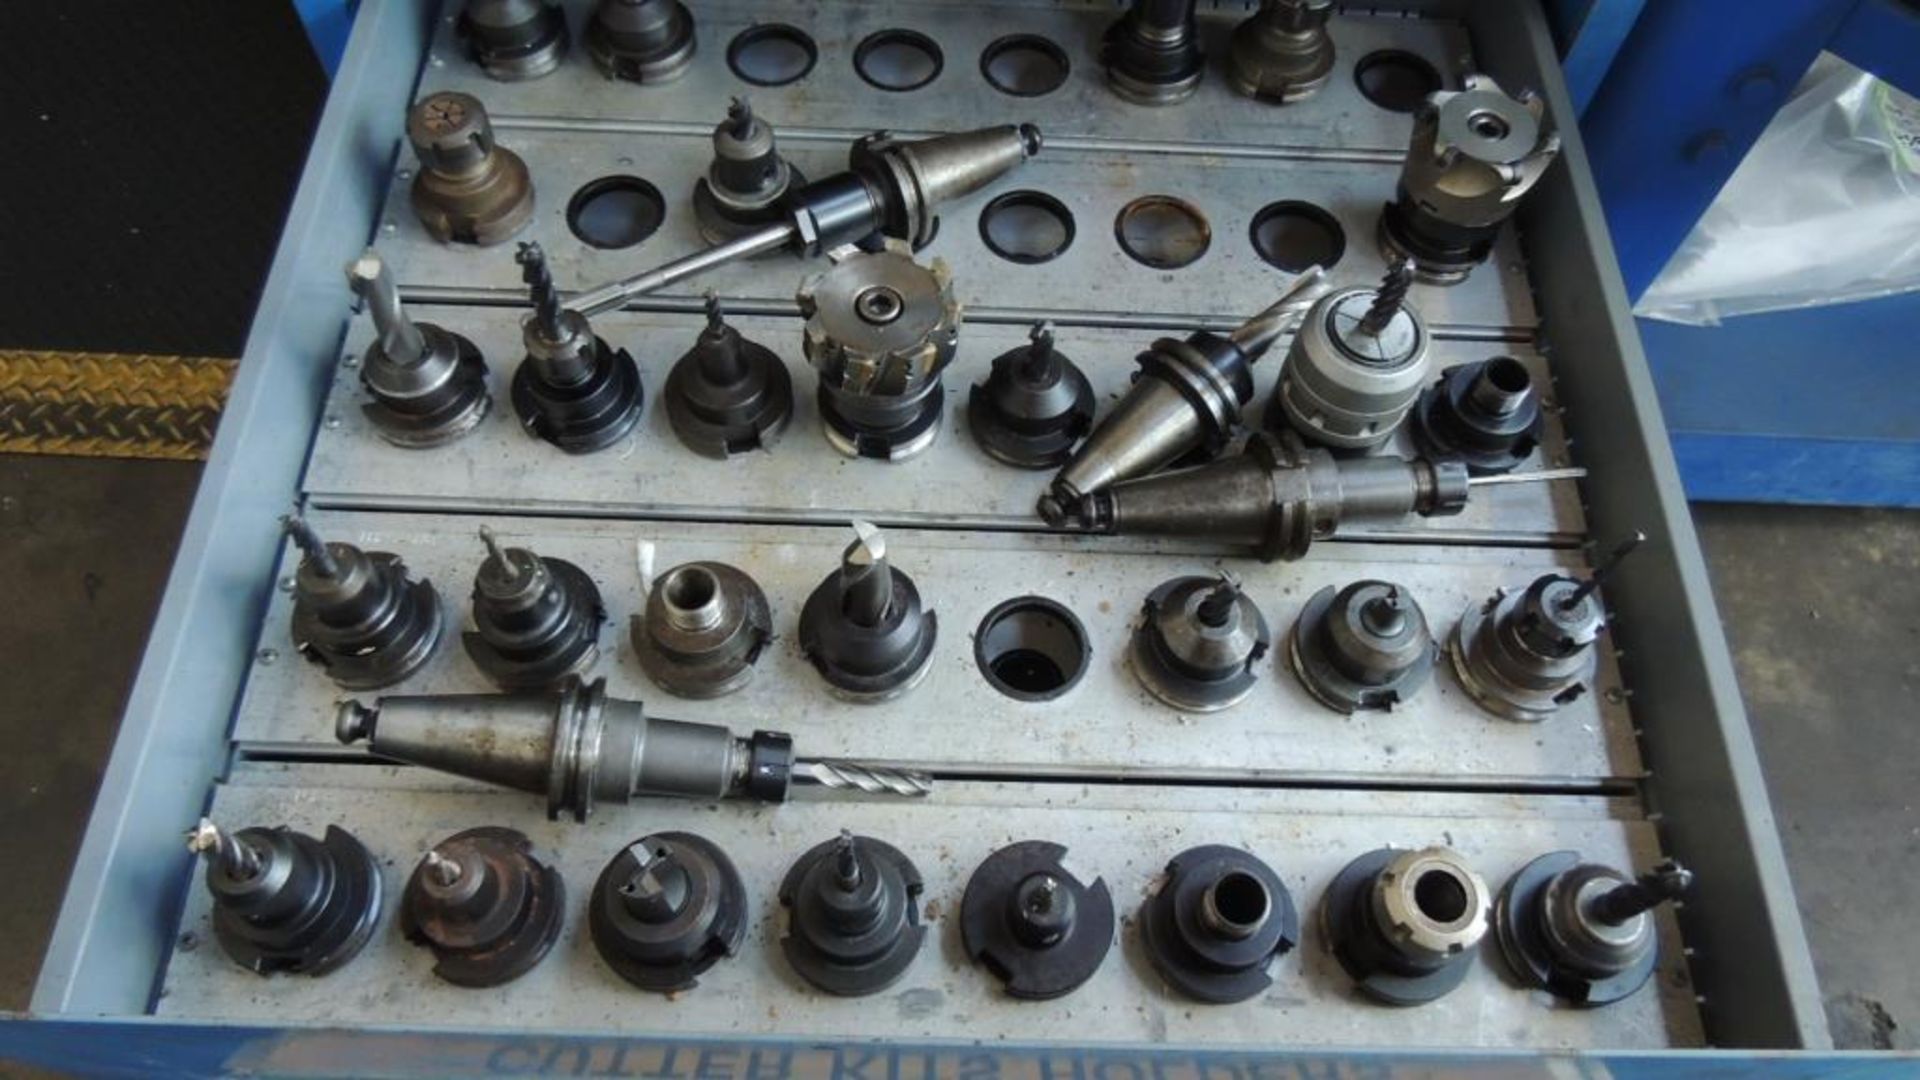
<point>328,23</point>
<point>1814,406</point>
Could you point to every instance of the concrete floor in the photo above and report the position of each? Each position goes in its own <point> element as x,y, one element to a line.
<point>1822,608</point>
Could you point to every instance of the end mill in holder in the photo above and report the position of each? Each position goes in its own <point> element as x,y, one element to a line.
<point>1355,368</point>
<point>667,908</point>
<point>484,905</point>
<point>1198,642</point>
<point>1523,654</point>
<point>864,627</point>
<point>746,186</point>
<point>853,915</point>
<point>1186,398</point>
<point>727,395</point>
<point>1034,406</point>
<point>1282,53</point>
<point>1153,54</point>
<point>284,901</point>
<point>1364,646</point>
<point>428,385</point>
<point>357,613</point>
<point>470,189</point>
<point>1277,497</point>
<point>514,40</point>
<point>1582,931</point>
<point>573,389</point>
<point>580,747</point>
<point>1474,153</point>
<point>537,620</point>
<point>891,187</point>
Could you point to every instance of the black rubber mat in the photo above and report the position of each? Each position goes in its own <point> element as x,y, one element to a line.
<point>150,150</point>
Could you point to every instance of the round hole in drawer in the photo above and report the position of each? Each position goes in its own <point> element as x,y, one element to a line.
<point>1024,65</point>
<point>1026,226</point>
<point>1162,231</point>
<point>772,54</point>
<point>616,211</point>
<point>1293,235</point>
<point>1031,648</point>
<point>1395,80</point>
<point>898,60</point>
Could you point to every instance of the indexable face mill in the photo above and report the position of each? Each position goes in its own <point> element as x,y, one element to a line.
<point>643,41</point>
<point>728,395</point>
<point>703,630</point>
<point>1405,924</point>
<point>284,901</point>
<point>1152,53</point>
<point>1282,53</point>
<point>573,389</point>
<point>1276,497</point>
<point>536,619</point>
<point>1217,919</point>
<point>880,330</point>
<point>1474,153</point>
<point>1487,414</point>
<point>469,190</point>
<point>853,915</point>
<point>1184,401</point>
<point>746,186</point>
<point>892,187</point>
<point>1582,931</point>
<point>580,747</point>
<point>1034,407</point>
<point>428,385</point>
<point>514,40</point>
<point>1197,643</point>
<point>1364,646</point>
<point>666,909</point>
<point>357,614</point>
<point>487,909</point>
<point>1039,929</point>
<point>1355,368</point>
<point>864,628</point>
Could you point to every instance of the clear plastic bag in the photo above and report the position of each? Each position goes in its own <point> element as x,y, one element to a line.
<point>1825,209</point>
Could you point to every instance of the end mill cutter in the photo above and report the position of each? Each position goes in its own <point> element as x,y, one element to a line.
<point>1187,397</point>
<point>891,186</point>
<point>580,746</point>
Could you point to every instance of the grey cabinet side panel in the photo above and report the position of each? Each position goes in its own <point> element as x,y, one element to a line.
<point>112,935</point>
<point>1750,954</point>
